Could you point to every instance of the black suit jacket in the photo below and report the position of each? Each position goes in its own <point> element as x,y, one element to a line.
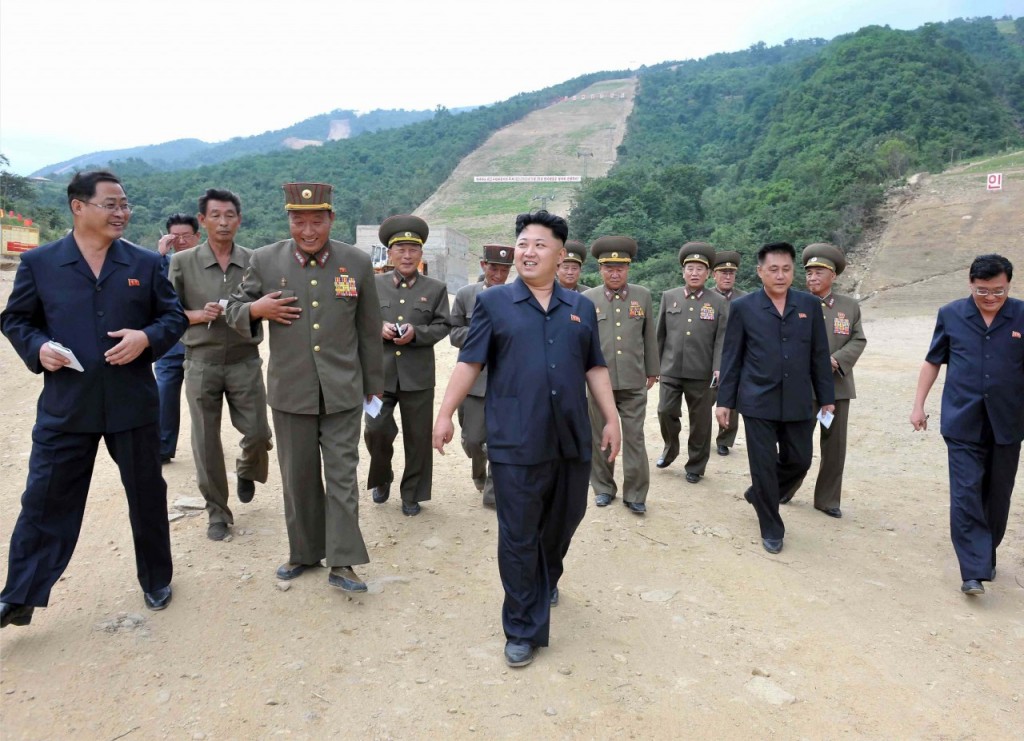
<point>56,296</point>
<point>774,367</point>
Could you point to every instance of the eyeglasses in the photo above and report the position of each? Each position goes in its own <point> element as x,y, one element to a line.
<point>999,292</point>
<point>112,207</point>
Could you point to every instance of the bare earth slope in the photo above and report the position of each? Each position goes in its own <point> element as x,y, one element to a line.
<point>674,625</point>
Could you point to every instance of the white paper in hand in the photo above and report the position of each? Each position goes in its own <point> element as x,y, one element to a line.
<point>373,406</point>
<point>825,418</point>
<point>61,350</point>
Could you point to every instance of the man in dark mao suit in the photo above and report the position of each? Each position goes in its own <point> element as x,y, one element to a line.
<point>775,363</point>
<point>981,341</point>
<point>414,317</point>
<point>325,363</point>
<point>727,264</point>
<point>109,303</point>
<point>542,349</point>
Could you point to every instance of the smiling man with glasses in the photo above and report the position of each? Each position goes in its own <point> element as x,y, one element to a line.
<point>981,341</point>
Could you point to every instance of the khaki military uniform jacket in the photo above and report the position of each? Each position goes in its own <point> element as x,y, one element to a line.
<point>628,341</point>
<point>691,332</point>
<point>846,340</point>
<point>335,343</point>
<point>462,314</point>
<point>424,305</point>
<point>198,279</point>
<point>734,294</point>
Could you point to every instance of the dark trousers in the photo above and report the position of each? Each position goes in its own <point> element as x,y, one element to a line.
<point>52,507</point>
<point>980,486</point>
<point>539,508</point>
<point>170,372</point>
<point>700,398</point>
<point>779,454</point>
<point>380,432</point>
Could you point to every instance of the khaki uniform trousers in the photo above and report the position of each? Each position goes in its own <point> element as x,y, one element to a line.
<point>473,422</point>
<point>828,487</point>
<point>417,426</point>
<point>636,468</point>
<point>207,385</point>
<point>321,523</point>
<point>727,435</point>
<point>700,399</point>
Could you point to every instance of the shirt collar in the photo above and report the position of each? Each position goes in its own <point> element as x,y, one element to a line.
<point>828,300</point>
<point>692,294</point>
<point>404,282</point>
<point>724,294</point>
<point>205,251</point>
<point>622,293</point>
<point>320,256</point>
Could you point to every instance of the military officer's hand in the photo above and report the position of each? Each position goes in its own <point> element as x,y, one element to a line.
<point>388,331</point>
<point>611,440</point>
<point>275,308</point>
<point>133,342</point>
<point>835,363</point>
<point>722,415</point>
<point>50,359</point>
<point>444,430</point>
<point>919,419</point>
<point>830,408</point>
<point>651,380</point>
<point>408,333</point>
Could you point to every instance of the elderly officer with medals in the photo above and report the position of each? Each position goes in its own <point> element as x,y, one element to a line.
<point>320,299</point>
<point>497,261</point>
<point>727,263</point>
<point>691,331</point>
<point>625,322</point>
<point>415,317</point>
<point>846,341</point>
<point>572,265</point>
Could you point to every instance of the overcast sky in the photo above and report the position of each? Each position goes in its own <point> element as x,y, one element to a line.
<point>78,76</point>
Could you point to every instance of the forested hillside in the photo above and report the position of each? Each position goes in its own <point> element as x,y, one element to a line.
<point>798,142</point>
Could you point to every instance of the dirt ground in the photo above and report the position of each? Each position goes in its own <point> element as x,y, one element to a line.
<point>672,625</point>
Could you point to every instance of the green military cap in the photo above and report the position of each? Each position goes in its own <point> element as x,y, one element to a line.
<point>727,260</point>
<point>614,249</point>
<point>498,254</point>
<point>308,196</point>
<point>701,252</point>
<point>575,251</point>
<point>824,255</point>
<point>403,228</point>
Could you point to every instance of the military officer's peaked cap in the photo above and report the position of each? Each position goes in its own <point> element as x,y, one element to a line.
<point>308,197</point>
<point>614,249</point>
<point>727,260</point>
<point>824,255</point>
<point>575,251</point>
<point>404,228</point>
<point>498,254</point>
<point>701,252</point>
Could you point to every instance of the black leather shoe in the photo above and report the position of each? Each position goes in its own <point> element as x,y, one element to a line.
<point>693,478</point>
<point>786,498</point>
<point>603,500</point>
<point>772,545</point>
<point>833,512</point>
<point>554,596</point>
<point>636,507</point>
<point>972,586</point>
<point>665,460</point>
<point>345,579</point>
<point>749,495</point>
<point>288,571</point>
<point>411,510</point>
<point>158,599</point>
<point>518,654</point>
<point>723,450</point>
<point>246,490</point>
<point>217,530</point>
<point>19,614</point>
<point>165,459</point>
<point>381,493</point>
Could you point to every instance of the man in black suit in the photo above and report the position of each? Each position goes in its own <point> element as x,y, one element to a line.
<point>109,303</point>
<point>775,363</point>
<point>981,341</point>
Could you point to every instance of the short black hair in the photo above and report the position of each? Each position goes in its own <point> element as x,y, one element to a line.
<point>986,267</point>
<point>558,225</point>
<point>780,247</point>
<point>176,219</point>
<point>83,185</point>
<point>213,194</point>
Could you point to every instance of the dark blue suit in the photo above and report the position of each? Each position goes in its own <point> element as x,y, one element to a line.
<point>538,437</point>
<point>170,374</point>
<point>56,296</point>
<point>982,423</point>
<point>773,368</point>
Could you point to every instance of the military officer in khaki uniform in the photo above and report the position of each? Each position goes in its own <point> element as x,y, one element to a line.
<point>727,262</point>
<point>325,363</point>
<point>625,321</point>
<point>691,330</point>
<point>846,341</point>
<point>496,264</point>
<point>414,318</point>
<point>572,265</point>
